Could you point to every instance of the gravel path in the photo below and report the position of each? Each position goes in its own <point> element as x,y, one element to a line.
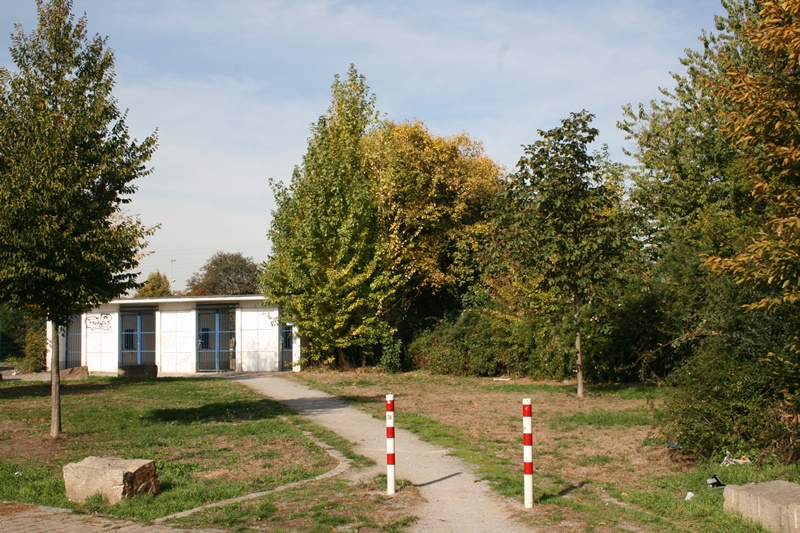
<point>455,501</point>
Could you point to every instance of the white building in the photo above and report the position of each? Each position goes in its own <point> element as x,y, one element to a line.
<point>180,335</point>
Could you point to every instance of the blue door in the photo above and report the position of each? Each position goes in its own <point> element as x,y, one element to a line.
<point>287,343</point>
<point>216,339</point>
<point>73,343</point>
<point>137,338</point>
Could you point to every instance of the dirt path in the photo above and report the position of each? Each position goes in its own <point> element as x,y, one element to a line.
<point>455,501</point>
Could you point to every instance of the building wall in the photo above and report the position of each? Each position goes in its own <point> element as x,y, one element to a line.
<point>102,339</point>
<point>258,348</point>
<point>257,336</point>
<point>176,342</point>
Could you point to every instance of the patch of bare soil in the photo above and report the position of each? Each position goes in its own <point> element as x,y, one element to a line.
<point>22,445</point>
<point>12,508</point>
<point>259,461</point>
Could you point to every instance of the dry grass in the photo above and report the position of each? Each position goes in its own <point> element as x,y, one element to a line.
<point>584,449</point>
<point>491,410</point>
<point>334,504</point>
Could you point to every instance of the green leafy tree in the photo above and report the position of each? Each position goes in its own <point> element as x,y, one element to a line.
<point>694,190</point>
<point>323,271</point>
<point>67,167</point>
<point>225,273</point>
<point>432,194</point>
<point>567,219</point>
<point>691,191</point>
<point>157,284</point>
<point>377,231</point>
<point>764,123</point>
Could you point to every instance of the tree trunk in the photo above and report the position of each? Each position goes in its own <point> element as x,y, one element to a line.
<point>578,353</point>
<point>341,359</point>
<point>55,386</point>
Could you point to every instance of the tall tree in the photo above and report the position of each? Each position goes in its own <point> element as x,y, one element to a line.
<point>377,230</point>
<point>763,119</point>
<point>225,273</point>
<point>691,190</point>
<point>695,189</point>
<point>432,195</point>
<point>67,167</point>
<point>323,270</point>
<point>567,215</point>
<point>157,284</point>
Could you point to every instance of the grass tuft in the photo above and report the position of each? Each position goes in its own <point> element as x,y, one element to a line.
<point>600,418</point>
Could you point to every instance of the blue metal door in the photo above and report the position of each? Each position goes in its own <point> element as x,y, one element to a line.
<point>137,338</point>
<point>287,346</point>
<point>73,343</point>
<point>216,339</point>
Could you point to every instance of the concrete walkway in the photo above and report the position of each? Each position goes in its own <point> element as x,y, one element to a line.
<point>456,502</point>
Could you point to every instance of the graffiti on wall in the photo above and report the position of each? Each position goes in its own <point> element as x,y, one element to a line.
<point>98,322</point>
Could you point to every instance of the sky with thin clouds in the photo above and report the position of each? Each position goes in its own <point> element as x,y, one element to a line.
<point>233,86</point>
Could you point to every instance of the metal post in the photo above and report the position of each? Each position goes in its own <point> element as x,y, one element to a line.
<point>527,451</point>
<point>390,482</point>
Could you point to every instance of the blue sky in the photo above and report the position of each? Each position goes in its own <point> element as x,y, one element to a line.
<point>233,86</point>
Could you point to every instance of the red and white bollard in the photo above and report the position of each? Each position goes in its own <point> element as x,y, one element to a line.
<point>390,444</point>
<point>527,451</point>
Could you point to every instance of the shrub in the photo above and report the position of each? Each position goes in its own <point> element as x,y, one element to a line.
<point>392,357</point>
<point>734,395</point>
<point>35,350</point>
<point>456,347</point>
<point>479,343</point>
<point>623,342</point>
<point>13,325</point>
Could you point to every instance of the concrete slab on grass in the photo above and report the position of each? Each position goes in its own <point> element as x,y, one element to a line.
<point>774,504</point>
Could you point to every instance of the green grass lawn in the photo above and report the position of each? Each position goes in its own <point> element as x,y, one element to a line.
<point>211,439</point>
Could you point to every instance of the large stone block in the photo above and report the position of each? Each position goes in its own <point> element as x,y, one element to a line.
<point>137,371</point>
<point>111,477</point>
<point>774,504</point>
<point>74,373</point>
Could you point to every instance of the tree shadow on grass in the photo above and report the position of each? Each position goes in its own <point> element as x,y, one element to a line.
<point>235,411</point>
<point>18,390</point>
<point>547,496</point>
<point>363,399</point>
